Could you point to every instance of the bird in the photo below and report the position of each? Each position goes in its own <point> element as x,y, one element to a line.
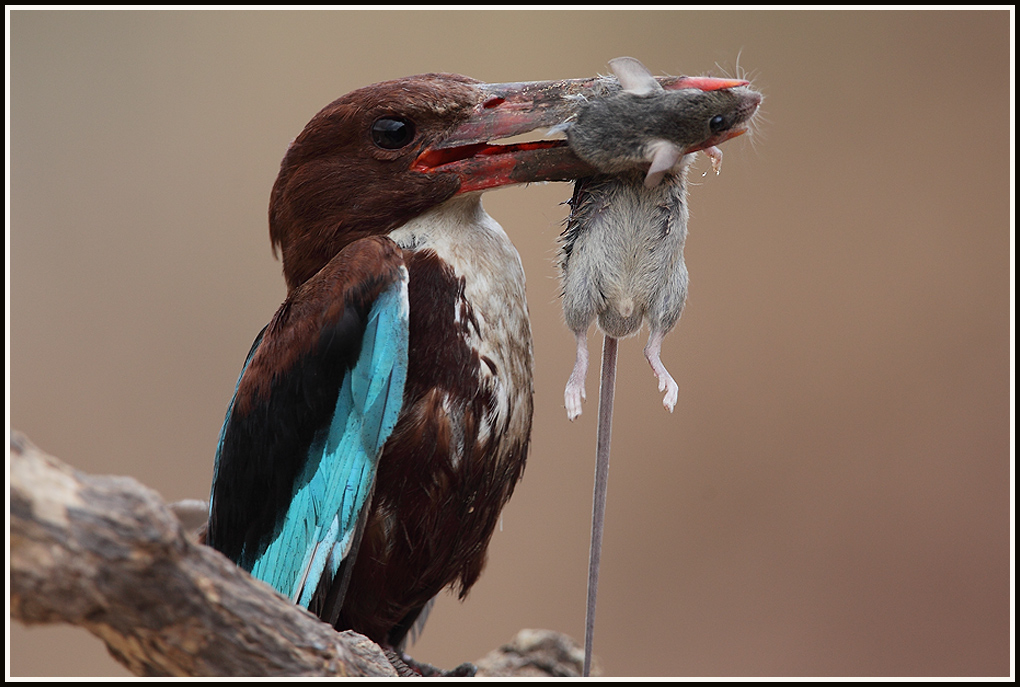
<point>382,418</point>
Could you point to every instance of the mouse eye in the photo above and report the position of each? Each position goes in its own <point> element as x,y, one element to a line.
<point>392,133</point>
<point>717,124</point>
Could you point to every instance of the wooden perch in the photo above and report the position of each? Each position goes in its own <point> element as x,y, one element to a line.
<point>105,553</point>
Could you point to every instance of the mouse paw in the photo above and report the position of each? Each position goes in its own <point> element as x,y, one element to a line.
<point>672,391</point>
<point>668,385</point>
<point>666,381</point>
<point>573,397</point>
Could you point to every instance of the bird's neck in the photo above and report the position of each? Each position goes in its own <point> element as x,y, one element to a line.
<point>457,230</point>
<point>475,247</point>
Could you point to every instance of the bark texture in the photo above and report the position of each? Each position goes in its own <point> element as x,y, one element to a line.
<point>107,554</point>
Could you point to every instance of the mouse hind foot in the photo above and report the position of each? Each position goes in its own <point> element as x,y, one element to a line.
<point>666,382</point>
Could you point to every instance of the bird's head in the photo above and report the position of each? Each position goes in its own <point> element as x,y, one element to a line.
<point>381,155</point>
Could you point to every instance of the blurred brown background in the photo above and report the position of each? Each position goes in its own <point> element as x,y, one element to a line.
<point>831,496</point>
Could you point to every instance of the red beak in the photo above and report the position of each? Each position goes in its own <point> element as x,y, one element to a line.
<point>512,109</point>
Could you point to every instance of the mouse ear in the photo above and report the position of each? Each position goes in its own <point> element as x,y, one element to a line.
<point>665,155</point>
<point>634,76</point>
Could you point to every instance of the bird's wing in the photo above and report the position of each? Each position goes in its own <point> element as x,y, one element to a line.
<point>318,397</point>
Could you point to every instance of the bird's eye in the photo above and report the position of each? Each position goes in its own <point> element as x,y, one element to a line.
<point>392,133</point>
<point>717,124</point>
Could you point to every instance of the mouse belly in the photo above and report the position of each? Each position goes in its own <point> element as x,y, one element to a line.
<point>622,265</point>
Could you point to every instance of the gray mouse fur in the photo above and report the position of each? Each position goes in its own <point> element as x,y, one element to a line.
<point>621,254</point>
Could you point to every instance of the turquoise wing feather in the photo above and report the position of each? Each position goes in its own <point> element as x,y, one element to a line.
<point>337,479</point>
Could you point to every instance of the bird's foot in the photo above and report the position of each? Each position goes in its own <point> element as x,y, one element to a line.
<point>465,669</point>
<point>408,667</point>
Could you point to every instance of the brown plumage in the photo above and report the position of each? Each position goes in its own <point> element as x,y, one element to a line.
<point>382,182</point>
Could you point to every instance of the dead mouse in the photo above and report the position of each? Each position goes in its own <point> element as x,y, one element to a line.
<point>621,253</point>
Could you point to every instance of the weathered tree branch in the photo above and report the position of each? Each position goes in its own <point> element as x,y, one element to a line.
<point>106,554</point>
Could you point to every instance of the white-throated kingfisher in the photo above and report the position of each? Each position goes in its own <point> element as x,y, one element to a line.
<point>382,418</point>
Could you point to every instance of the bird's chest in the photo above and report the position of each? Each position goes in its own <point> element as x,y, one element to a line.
<point>461,441</point>
<point>470,352</point>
